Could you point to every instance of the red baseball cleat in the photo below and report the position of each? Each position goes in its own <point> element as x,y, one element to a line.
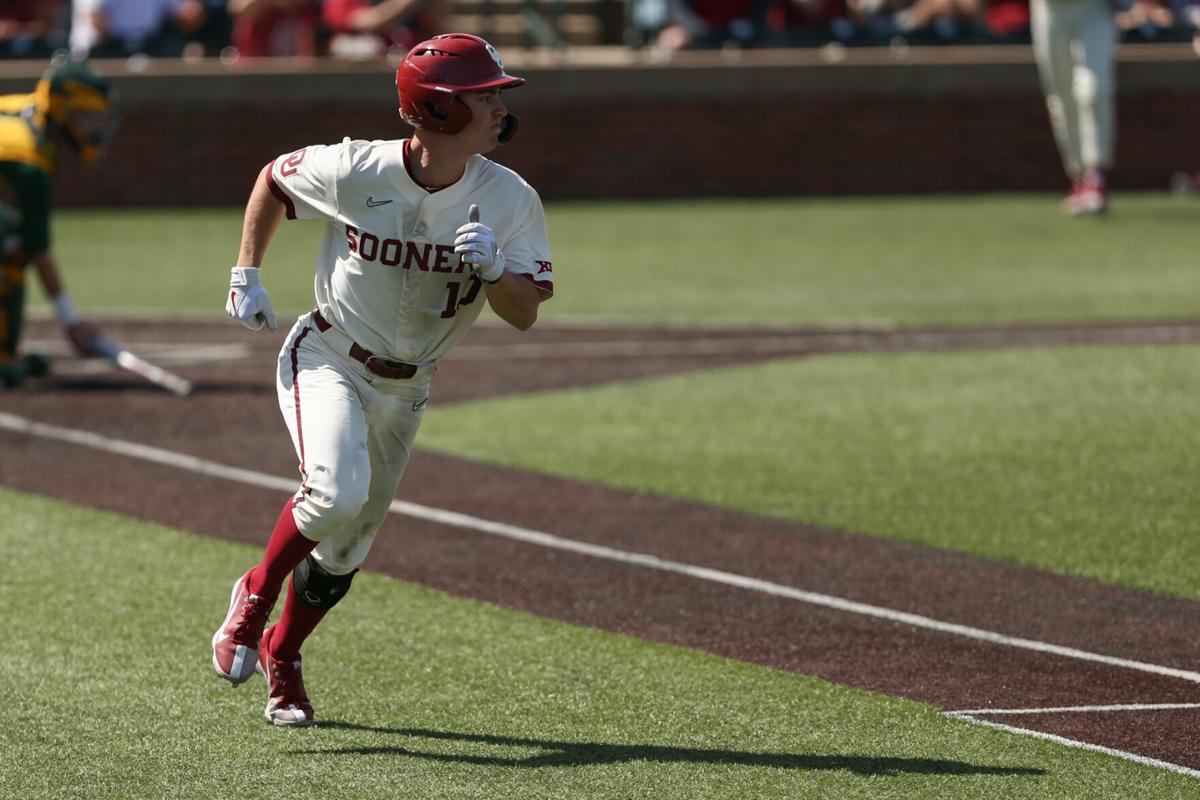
<point>1090,195</point>
<point>287,702</point>
<point>235,644</point>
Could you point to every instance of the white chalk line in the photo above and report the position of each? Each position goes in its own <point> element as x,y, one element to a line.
<point>985,712</point>
<point>165,353</point>
<point>201,466</point>
<point>1095,748</point>
<point>23,425</point>
<point>974,714</point>
<point>215,469</point>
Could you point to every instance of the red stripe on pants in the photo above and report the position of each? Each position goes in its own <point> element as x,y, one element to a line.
<point>296,394</point>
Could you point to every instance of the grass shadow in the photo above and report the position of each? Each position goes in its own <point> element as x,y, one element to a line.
<point>576,754</point>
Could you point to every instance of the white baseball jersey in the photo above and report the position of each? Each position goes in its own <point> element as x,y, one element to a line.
<point>387,274</point>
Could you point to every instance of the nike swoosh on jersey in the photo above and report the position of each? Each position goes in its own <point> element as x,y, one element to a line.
<point>373,203</point>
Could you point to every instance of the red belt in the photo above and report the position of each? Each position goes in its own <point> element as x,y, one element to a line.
<point>383,367</point>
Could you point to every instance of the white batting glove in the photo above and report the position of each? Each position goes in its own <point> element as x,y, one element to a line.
<point>248,302</point>
<point>476,244</point>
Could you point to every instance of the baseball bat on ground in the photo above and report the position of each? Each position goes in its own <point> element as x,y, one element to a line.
<point>139,366</point>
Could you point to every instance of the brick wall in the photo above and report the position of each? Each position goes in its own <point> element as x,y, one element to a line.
<point>783,124</point>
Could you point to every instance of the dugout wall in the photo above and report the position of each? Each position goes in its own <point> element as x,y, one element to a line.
<point>608,123</point>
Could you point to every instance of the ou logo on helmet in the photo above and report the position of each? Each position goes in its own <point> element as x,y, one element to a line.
<point>491,51</point>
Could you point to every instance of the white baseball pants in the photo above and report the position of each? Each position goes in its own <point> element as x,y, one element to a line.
<point>1075,45</point>
<point>353,432</point>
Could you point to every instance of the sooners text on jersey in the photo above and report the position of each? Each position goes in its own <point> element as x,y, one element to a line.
<point>426,257</point>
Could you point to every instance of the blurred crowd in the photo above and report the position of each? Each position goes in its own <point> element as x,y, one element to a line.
<point>671,25</point>
<point>228,29</point>
<point>368,29</point>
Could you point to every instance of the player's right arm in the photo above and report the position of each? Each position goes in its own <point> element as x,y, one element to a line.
<point>247,301</point>
<point>263,214</point>
<point>298,185</point>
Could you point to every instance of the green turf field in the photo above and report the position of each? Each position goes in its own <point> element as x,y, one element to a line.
<point>438,698</point>
<point>1080,460</point>
<point>955,260</point>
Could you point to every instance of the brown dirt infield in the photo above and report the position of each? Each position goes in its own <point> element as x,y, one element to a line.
<point>232,418</point>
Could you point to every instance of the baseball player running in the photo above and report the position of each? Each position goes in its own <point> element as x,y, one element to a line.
<point>418,232</point>
<point>1075,46</point>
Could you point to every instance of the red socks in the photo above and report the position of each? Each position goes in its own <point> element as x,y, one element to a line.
<point>297,622</point>
<point>286,548</point>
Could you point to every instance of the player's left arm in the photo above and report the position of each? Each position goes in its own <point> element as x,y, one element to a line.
<point>515,300</point>
<point>518,278</point>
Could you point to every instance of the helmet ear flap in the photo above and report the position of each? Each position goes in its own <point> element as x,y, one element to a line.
<point>430,110</point>
<point>433,111</point>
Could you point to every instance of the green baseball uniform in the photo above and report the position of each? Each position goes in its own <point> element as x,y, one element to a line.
<point>28,159</point>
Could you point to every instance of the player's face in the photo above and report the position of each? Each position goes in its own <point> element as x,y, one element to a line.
<point>487,118</point>
<point>89,131</point>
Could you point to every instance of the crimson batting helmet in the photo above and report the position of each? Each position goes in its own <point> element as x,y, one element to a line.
<point>436,70</point>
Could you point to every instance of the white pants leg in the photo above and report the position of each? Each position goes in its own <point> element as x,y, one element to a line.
<point>1074,44</point>
<point>353,433</point>
<point>1051,29</point>
<point>1095,85</point>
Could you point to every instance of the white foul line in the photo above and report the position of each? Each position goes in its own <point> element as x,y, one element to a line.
<point>1096,748</point>
<point>98,441</point>
<point>987,712</point>
<point>215,469</point>
<point>201,466</point>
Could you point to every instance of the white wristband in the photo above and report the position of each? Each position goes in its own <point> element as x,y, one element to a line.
<point>245,276</point>
<point>66,311</point>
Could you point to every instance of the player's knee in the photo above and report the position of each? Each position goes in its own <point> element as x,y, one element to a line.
<point>317,587</point>
<point>346,501</point>
<point>1091,89</point>
<point>329,504</point>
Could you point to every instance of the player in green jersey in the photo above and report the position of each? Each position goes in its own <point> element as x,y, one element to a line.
<point>73,108</point>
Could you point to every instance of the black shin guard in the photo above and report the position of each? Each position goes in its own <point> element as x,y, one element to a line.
<point>318,588</point>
